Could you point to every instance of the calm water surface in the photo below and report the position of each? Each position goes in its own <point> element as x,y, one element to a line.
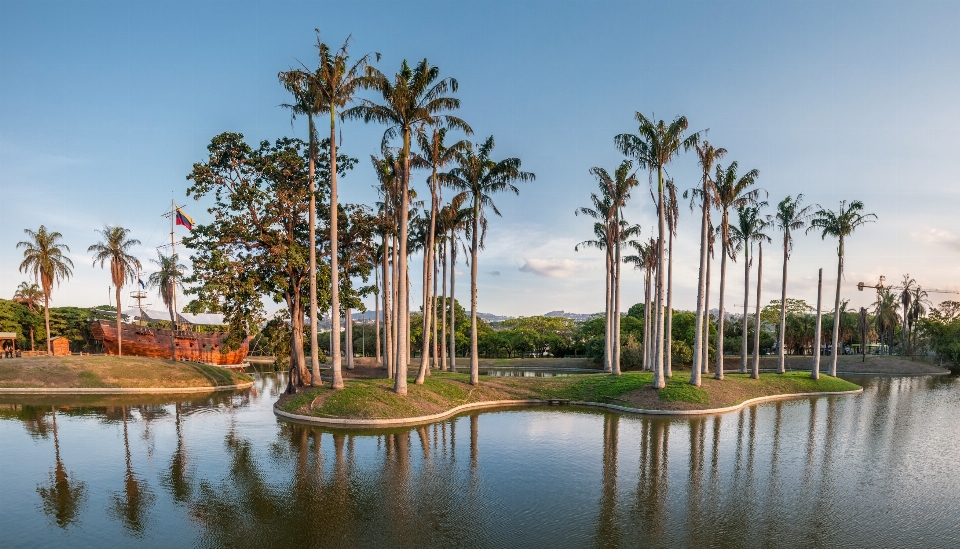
<point>876,470</point>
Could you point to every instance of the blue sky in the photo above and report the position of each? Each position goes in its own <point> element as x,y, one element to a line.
<point>105,106</point>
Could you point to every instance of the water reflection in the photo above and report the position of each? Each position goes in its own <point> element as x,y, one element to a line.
<point>223,471</point>
<point>131,505</point>
<point>62,497</point>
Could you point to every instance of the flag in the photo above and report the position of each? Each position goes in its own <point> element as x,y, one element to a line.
<point>184,219</point>
<point>142,285</point>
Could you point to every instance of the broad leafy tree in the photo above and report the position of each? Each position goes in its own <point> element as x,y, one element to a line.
<point>257,243</point>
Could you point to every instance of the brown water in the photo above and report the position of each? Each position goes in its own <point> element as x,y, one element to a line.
<point>875,470</point>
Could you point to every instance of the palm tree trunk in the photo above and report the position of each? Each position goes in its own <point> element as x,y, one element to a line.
<point>746,308</point>
<point>46,320</point>
<point>387,307</point>
<point>781,353</point>
<point>607,330</point>
<point>695,369</point>
<point>376,320</point>
<point>453,301</point>
<point>658,379</point>
<point>815,374</point>
<point>474,357</point>
<point>334,261</point>
<point>395,331</point>
<point>647,339</point>
<point>434,303</point>
<point>119,325</point>
<point>755,373</point>
<point>348,337</point>
<point>443,312</point>
<point>616,307</point>
<point>314,323</point>
<point>427,279</point>
<point>706,310</point>
<point>669,313</point>
<point>403,289</point>
<point>718,370</point>
<point>173,330</point>
<point>836,314</point>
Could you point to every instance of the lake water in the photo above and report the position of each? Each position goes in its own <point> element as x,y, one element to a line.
<point>878,469</point>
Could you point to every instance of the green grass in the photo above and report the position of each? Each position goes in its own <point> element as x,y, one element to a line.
<point>678,390</point>
<point>374,398</point>
<point>113,372</point>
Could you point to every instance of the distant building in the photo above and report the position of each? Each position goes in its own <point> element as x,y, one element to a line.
<point>60,346</point>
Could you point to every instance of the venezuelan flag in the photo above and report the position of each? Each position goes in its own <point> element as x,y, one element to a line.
<point>184,219</point>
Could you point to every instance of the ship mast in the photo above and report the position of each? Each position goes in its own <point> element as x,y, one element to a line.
<point>173,258</point>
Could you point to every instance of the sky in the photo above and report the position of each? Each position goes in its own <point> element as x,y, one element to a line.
<point>105,106</point>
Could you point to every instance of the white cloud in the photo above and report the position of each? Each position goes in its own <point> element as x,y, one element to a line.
<point>934,235</point>
<point>552,268</point>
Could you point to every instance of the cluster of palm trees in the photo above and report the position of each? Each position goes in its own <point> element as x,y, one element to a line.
<point>45,258</point>
<point>416,106</point>
<point>723,189</point>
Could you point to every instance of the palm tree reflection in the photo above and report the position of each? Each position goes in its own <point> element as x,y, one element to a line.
<point>130,506</point>
<point>63,496</point>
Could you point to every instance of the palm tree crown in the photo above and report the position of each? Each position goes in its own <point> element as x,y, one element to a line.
<point>840,223</point>
<point>29,295</point>
<point>43,255</point>
<point>167,279</point>
<point>115,248</point>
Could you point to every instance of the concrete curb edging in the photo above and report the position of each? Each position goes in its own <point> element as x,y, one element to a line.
<point>361,423</point>
<point>119,390</point>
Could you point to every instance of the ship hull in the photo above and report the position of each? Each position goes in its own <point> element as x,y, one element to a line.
<point>151,342</point>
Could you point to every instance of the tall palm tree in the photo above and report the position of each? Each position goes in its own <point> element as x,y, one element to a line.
<point>673,216</point>
<point>747,231</point>
<point>918,308</point>
<point>645,258</point>
<point>115,248</point>
<point>732,191</point>
<point>454,219</point>
<point>906,297</point>
<point>167,279</point>
<point>707,156</point>
<point>30,296</point>
<point>330,87</point>
<point>479,176</point>
<point>654,146</point>
<point>885,315</point>
<point>414,97</point>
<point>839,224</point>
<point>43,255</point>
<point>790,217</point>
<point>603,212</point>
<point>435,154</point>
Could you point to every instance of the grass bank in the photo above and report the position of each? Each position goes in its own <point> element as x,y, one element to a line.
<point>374,398</point>
<point>82,372</point>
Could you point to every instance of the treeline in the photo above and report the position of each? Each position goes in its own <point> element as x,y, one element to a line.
<point>72,323</point>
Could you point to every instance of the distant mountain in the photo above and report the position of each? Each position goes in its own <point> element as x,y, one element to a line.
<point>579,317</point>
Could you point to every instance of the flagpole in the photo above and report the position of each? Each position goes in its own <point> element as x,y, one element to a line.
<point>173,259</point>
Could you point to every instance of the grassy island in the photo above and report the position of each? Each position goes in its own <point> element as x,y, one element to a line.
<point>374,398</point>
<point>103,372</point>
